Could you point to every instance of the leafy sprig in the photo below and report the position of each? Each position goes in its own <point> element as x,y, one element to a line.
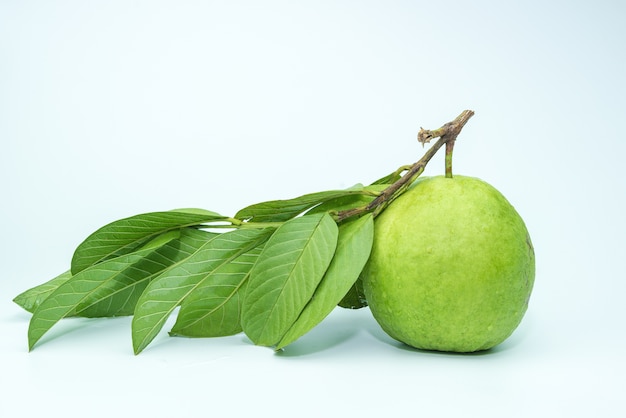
<point>273,271</point>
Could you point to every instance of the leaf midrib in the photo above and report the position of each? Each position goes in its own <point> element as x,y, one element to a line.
<point>169,311</point>
<point>282,289</point>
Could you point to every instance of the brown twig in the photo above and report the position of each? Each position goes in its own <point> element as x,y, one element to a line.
<point>447,134</point>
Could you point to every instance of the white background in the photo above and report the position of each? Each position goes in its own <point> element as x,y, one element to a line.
<point>113,108</point>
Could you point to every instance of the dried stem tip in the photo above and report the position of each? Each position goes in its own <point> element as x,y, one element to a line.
<point>450,130</point>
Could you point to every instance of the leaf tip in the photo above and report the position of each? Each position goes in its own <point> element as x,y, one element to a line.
<point>138,345</point>
<point>31,344</point>
<point>137,349</point>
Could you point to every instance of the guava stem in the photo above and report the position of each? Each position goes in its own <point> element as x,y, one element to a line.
<point>449,149</point>
<point>447,134</point>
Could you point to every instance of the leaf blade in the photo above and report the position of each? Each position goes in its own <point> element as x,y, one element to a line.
<point>353,250</point>
<point>285,276</point>
<point>95,284</point>
<point>30,299</point>
<point>283,210</point>
<point>213,309</point>
<point>167,291</point>
<point>126,235</point>
<point>120,297</point>
<point>64,300</point>
<point>355,297</point>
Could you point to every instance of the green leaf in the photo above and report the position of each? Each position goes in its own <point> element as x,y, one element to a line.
<point>355,298</point>
<point>64,300</point>
<point>342,203</point>
<point>285,276</point>
<point>349,201</point>
<point>283,210</point>
<point>198,211</point>
<point>213,309</point>
<point>389,179</point>
<point>119,297</point>
<point>353,250</point>
<point>168,291</point>
<point>126,235</point>
<point>32,298</point>
<point>101,282</point>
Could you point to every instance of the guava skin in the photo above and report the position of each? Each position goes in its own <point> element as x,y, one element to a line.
<point>452,266</point>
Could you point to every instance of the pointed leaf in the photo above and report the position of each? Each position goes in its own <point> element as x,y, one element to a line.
<point>282,210</point>
<point>355,297</point>
<point>119,297</point>
<point>342,203</point>
<point>64,300</point>
<point>126,235</point>
<point>391,178</point>
<point>213,309</point>
<point>285,276</point>
<point>198,211</point>
<point>353,250</point>
<point>97,283</point>
<point>168,291</point>
<point>32,298</point>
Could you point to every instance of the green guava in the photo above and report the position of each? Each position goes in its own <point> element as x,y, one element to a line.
<point>452,266</point>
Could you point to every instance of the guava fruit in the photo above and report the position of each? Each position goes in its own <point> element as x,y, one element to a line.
<point>452,266</point>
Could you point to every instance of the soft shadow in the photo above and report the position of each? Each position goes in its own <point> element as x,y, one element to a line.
<point>306,346</point>
<point>335,330</point>
<point>77,328</point>
<point>510,343</point>
<point>481,353</point>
